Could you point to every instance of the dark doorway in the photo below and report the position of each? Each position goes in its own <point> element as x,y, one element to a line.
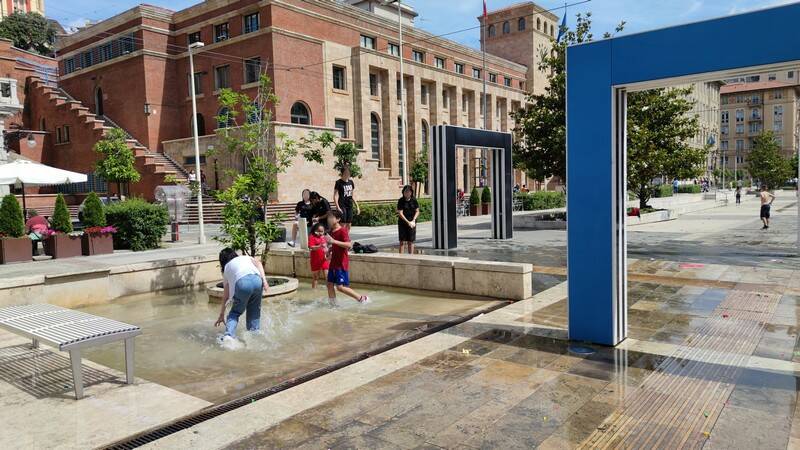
<point>98,102</point>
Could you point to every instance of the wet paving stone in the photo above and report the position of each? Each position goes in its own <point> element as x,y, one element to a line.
<point>749,429</point>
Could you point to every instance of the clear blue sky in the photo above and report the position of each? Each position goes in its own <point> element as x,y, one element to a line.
<point>441,16</point>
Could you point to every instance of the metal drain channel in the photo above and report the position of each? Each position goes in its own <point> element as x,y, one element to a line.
<point>191,420</point>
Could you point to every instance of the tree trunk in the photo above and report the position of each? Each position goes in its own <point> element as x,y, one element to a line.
<point>644,196</point>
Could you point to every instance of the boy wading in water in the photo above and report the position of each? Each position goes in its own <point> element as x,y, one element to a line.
<point>766,202</point>
<point>338,273</point>
<point>243,283</point>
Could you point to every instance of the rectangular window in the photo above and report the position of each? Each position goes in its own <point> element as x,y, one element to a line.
<point>723,145</point>
<point>724,129</point>
<point>772,77</point>
<point>777,117</point>
<point>198,85</point>
<point>459,68</point>
<point>250,23</point>
<point>754,79</point>
<point>193,37</point>
<point>87,59</point>
<point>423,94</point>
<point>492,78</point>
<point>739,115</point>
<point>66,133</point>
<point>755,114</point>
<point>69,65</point>
<point>221,32</point>
<point>252,70</point>
<point>373,84</point>
<point>394,49</point>
<point>339,82</point>
<point>445,99</point>
<point>222,77</point>
<point>439,62</point>
<point>739,128</point>
<point>105,52</point>
<point>755,99</point>
<point>726,116</point>
<point>779,141</point>
<point>476,73</point>
<point>755,127</point>
<point>739,144</point>
<point>127,44</point>
<point>418,56</point>
<point>724,99</point>
<point>464,102</point>
<point>790,74</point>
<point>399,90</point>
<point>368,42</point>
<point>507,81</point>
<point>777,95</point>
<point>58,135</point>
<point>341,125</point>
<point>189,160</point>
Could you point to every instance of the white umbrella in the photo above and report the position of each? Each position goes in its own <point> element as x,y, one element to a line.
<point>22,172</point>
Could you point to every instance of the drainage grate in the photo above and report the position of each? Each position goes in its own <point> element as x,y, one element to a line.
<point>184,423</point>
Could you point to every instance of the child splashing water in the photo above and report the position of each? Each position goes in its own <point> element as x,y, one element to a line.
<point>338,273</point>
<point>244,282</point>
<point>318,252</point>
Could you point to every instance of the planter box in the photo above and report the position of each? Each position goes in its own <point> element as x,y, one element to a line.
<point>485,207</point>
<point>63,246</point>
<point>15,250</point>
<point>474,210</point>
<point>97,244</point>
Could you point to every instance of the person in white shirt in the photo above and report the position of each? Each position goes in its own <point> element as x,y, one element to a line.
<point>243,283</point>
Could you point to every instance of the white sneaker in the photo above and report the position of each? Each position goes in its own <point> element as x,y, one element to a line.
<point>229,342</point>
<point>364,300</point>
<point>290,243</point>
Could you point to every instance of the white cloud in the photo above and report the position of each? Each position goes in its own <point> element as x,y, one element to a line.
<point>740,8</point>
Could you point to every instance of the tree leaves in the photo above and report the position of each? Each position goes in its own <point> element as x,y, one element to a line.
<point>766,163</point>
<point>29,31</point>
<point>118,163</point>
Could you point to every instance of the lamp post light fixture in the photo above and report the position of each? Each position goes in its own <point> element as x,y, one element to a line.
<point>201,239</point>
<point>403,146</point>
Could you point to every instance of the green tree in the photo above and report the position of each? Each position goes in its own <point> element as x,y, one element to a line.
<point>766,163</point>
<point>420,169</point>
<point>29,31</point>
<point>541,127</point>
<point>249,135</point>
<point>474,197</point>
<point>659,128</point>
<point>118,163</point>
<point>12,223</point>
<point>346,154</point>
<point>61,221</point>
<point>486,195</point>
<point>93,213</point>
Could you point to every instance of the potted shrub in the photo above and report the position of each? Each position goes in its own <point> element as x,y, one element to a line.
<point>61,241</point>
<point>486,200</point>
<point>14,245</point>
<point>97,237</point>
<point>474,202</point>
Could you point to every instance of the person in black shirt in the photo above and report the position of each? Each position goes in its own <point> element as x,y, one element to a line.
<point>320,209</point>
<point>407,213</point>
<point>343,197</point>
<point>303,210</point>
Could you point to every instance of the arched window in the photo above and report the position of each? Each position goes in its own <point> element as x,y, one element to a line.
<point>42,125</point>
<point>98,101</point>
<point>521,24</point>
<point>300,114</point>
<point>201,125</point>
<point>224,118</point>
<point>400,162</point>
<point>375,135</point>
<point>255,114</point>
<point>538,24</point>
<point>492,31</point>
<point>425,134</point>
<point>506,27</point>
<point>552,30</point>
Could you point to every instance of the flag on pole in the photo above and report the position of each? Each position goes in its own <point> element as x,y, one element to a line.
<point>563,26</point>
<point>485,13</point>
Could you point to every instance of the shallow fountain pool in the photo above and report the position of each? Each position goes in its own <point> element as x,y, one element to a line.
<point>301,333</point>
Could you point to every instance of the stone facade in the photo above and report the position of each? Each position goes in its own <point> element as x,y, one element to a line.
<point>334,62</point>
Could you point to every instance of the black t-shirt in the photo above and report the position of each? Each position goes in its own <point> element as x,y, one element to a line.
<point>321,208</point>
<point>408,207</point>
<point>345,190</point>
<point>304,210</point>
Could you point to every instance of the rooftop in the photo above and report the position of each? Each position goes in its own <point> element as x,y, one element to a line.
<point>748,87</point>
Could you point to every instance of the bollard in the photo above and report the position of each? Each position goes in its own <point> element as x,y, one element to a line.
<point>176,233</point>
<point>302,232</point>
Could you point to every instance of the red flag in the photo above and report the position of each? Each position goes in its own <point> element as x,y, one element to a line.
<point>485,14</point>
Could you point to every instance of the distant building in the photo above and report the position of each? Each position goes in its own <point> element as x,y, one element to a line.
<point>9,6</point>
<point>749,109</point>
<point>705,96</point>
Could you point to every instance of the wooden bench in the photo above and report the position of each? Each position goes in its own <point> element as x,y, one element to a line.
<point>69,331</point>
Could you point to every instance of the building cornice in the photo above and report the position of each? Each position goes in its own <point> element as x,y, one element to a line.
<point>137,12</point>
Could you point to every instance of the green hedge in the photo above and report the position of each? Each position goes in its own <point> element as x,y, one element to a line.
<point>663,190</point>
<point>93,213</point>
<point>376,215</point>
<point>535,201</point>
<point>140,225</point>
<point>12,222</point>
<point>61,221</point>
<point>689,189</point>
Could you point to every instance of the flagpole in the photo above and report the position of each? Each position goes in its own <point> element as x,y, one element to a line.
<point>483,73</point>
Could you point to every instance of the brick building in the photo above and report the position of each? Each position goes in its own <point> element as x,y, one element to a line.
<point>334,66</point>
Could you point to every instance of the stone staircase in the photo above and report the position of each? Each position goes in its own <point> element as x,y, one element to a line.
<point>154,167</point>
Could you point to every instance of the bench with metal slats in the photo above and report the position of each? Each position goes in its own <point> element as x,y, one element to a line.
<point>69,331</point>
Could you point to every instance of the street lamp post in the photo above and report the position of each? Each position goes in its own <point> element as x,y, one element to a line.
<point>201,239</point>
<point>403,146</point>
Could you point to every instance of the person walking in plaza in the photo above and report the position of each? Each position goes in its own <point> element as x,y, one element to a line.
<point>343,197</point>
<point>407,214</point>
<point>302,210</point>
<point>738,195</point>
<point>766,203</point>
<point>339,270</point>
<point>318,254</point>
<point>320,209</point>
<point>243,285</point>
<point>675,185</point>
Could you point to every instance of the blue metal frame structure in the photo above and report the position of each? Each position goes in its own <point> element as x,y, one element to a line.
<point>598,75</point>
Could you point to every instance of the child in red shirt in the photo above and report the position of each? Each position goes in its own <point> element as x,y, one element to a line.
<point>338,274</point>
<point>318,249</point>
